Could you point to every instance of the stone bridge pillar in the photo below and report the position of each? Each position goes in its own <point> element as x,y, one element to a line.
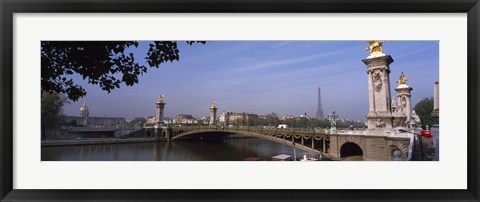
<point>168,133</point>
<point>334,150</point>
<point>379,115</point>
<point>404,109</point>
<point>159,116</point>
<point>403,93</point>
<point>213,114</point>
<point>374,148</point>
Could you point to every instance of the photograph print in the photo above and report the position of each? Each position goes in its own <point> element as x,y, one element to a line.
<point>371,100</point>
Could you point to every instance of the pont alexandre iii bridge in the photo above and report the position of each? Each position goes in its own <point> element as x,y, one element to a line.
<point>388,119</point>
<point>336,146</point>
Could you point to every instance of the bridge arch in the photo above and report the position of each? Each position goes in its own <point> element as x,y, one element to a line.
<point>278,137</point>
<point>350,149</point>
<point>353,139</point>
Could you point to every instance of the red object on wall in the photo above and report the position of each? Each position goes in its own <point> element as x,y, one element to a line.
<point>426,133</point>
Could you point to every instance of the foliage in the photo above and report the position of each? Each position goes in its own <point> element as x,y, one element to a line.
<point>104,63</point>
<point>271,120</point>
<point>300,122</point>
<point>297,122</point>
<point>319,123</point>
<point>72,122</point>
<point>424,110</point>
<point>51,110</point>
<point>137,122</point>
<point>324,123</point>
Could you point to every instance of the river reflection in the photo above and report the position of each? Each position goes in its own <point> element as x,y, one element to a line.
<point>230,149</point>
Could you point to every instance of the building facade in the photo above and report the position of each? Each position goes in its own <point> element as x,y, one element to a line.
<point>243,119</point>
<point>85,120</point>
<point>224,118</point>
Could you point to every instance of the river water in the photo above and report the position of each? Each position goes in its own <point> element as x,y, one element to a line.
<point>229,149</point>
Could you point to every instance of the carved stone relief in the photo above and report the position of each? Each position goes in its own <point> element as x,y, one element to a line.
<point>377,81</point>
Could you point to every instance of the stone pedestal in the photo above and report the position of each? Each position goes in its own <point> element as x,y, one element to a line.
<point>379,115</point>
<point>333,130</point>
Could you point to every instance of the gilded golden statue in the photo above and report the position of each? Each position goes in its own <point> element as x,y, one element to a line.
<point>214,104</point>
<point>375,47</point>
<point>161,99</point>
<point>402,80</point>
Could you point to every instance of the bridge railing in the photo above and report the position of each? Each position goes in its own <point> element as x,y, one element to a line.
<point>261,129</point>
<point>252,128</point>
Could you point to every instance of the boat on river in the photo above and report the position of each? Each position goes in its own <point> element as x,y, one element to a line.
<point>308,158</point>
<point>282,157</point>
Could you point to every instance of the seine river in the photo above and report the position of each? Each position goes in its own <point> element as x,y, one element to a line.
<point>230,149</point>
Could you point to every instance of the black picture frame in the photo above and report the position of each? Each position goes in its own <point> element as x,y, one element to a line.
<point>10,7</point>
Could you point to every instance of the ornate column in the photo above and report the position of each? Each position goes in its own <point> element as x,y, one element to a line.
<point>435,128</point>
<point>378,70</point>
<point>371,100</point>
<point>84,113</point>
<point>403,108</point>
<point>436,100</point>
<point>213,114</point>
<point>159,116</point>
<point>403,94</point>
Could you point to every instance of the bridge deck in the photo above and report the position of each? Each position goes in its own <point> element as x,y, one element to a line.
<point>302,139</point>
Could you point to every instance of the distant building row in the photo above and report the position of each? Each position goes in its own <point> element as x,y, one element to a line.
<point>84,120</point>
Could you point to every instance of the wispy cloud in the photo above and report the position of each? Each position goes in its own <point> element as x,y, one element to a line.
<point>243,59</point>
<point>281,44</point>
<point>218,52</point>
<point>259,84</point>
<point>274,63</point>
<point>317,72</point>
<point>415,51</point>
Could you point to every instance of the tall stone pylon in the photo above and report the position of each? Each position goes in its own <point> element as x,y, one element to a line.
<point>436,100</point>
<point>319,114</point>
<point>379,116</point>
<point>213,114</point>
<point>84,112</point>
<point>159,116</point>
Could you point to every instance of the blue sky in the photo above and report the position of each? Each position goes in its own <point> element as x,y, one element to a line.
<point>263,77</point>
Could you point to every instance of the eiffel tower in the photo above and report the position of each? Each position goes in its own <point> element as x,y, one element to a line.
<point>319,114</point>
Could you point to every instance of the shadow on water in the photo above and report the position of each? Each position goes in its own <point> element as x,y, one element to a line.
<point>224,148</point>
